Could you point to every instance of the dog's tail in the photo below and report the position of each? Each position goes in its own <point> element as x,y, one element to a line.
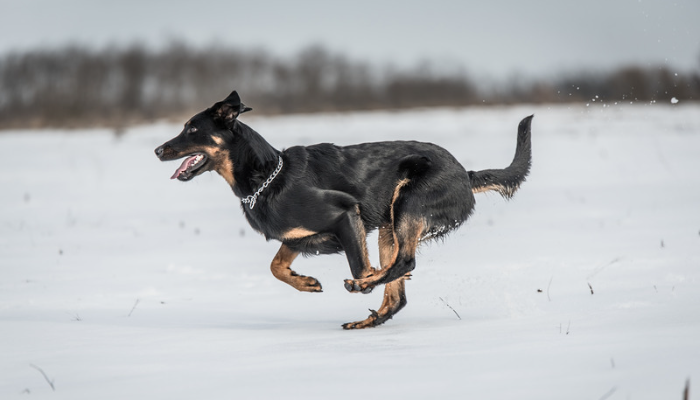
<point>506,181</point>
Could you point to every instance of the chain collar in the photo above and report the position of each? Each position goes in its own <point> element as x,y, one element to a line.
<point>250,200</point>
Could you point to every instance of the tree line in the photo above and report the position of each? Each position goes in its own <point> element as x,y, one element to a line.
<point>119,86</point>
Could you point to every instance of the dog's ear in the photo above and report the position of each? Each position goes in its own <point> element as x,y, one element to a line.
<point>230,108</point>
<point>244,108</point>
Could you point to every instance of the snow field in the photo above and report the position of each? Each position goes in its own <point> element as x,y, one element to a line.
<point>120,283</point>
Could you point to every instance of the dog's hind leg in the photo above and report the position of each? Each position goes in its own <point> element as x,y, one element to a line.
<point>394,301</point>
<point>281,270</point>
<point>394,292</point>
<point>406,235</point>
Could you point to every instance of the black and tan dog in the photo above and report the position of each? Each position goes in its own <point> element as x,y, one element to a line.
<point>325,199</point>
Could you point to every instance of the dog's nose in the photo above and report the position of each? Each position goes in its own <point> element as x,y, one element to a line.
<point>159,151</point>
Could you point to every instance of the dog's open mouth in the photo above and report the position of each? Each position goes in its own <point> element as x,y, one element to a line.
<point>190,166</point>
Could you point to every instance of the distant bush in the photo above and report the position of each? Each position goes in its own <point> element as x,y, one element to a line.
<point>77,87</point>
<point>633,84</point>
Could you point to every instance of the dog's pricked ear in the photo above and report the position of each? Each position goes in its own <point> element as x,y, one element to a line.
<point>230,108</point>
<point>233,98</point>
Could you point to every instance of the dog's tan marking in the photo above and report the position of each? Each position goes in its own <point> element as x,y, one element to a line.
<point>221,160</point>
<point>217,140</point>
<point>297,233</point>
<point>280,268</point>
<point>394,295</point>
<point>397,189</point>
<point>386,245</point>
<point>482,189</point>
<point>225,168</point>
<point>410,232</point>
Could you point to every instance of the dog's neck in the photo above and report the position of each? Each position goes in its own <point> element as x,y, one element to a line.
<point>252,199</point>
<point>254,160</point>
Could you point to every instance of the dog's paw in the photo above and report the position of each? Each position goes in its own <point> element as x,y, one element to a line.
<point>369,322</point>
<point>358,286</point>
<point>308,284</point>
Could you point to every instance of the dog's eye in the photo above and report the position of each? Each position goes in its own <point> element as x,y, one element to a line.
<point>192,130</point>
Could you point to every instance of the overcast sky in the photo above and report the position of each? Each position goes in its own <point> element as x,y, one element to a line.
<point>496,38</point>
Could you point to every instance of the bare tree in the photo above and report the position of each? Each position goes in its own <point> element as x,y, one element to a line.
<point>115,86</point>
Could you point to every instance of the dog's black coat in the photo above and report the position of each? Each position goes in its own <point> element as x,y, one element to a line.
<point>323,181</point>
<point>326,198</point>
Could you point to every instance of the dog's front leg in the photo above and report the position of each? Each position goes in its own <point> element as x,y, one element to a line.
<point>281,270</point>
<point>350,231</point>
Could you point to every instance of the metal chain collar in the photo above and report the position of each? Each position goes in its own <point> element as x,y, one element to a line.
<point>254,197</point>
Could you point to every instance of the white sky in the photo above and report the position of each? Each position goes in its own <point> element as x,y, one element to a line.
<point>498,38</point>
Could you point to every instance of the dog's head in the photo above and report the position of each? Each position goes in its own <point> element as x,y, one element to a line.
<point>205,141</point>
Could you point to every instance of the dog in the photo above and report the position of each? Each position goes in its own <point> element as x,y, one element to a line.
<point>325,199</point>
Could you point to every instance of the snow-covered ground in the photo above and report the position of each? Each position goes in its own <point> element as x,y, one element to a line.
<point>119,283</point>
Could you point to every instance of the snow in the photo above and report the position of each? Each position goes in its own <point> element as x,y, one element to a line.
<point>120,283</point>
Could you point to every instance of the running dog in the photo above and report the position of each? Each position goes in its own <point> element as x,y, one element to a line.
<point>325,199</point>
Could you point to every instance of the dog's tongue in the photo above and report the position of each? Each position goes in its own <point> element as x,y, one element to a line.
<point>189,161</point>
